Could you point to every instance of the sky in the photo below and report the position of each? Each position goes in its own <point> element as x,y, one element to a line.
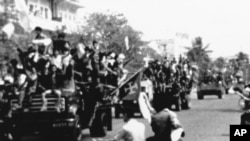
<point>224,24</point>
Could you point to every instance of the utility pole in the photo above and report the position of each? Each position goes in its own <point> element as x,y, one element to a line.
<point>165,50</point>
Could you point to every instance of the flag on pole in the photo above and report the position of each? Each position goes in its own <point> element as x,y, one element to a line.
<point>8,29</point>
<point>23,16</point>
<point>127,42</point>
<point>130,90</point>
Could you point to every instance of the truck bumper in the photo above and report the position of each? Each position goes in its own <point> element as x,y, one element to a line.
<point>49,125</point>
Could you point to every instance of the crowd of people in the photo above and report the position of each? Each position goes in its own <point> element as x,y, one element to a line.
<point>55,66</point>
<point>169,78</point>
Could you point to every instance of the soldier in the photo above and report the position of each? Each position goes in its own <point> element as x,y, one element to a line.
<point>93,93</point>
<point>39,33</point>
<point>41,40</point>
<point>166,126</point>
<point>60,44</point>
<point>132,130</point>
<point>122,72</point>
<point>53,88</point>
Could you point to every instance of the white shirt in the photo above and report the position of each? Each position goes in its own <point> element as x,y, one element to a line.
<point>57,61</point>
<point>137,129</point>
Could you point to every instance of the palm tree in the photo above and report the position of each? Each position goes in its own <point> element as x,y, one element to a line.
<point>199,55</point>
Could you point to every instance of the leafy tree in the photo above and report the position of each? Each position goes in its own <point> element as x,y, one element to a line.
<point>111,30</point>
<point>242,59</point>
<point>220,63</point>
<point>199,55</point>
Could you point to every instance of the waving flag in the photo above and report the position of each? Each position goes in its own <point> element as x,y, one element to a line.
<point>130,90</point>
<point>23,16</point>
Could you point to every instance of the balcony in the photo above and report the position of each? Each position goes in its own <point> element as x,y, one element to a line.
<point>75,3</point>
<point>58,19</point>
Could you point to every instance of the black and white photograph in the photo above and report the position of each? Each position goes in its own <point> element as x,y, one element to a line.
<point>124,70</point>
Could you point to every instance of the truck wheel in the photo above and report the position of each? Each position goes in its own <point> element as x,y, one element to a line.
<point>220,96</point>
<point>226,90</point>
<point>76,131</point>
<point>186,102</point>
<point>99,127</point>
<point>178,104</point>
<point>117,111</point>
<point>200,96</point>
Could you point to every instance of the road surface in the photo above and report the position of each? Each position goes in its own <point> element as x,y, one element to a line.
<point>207,120</point>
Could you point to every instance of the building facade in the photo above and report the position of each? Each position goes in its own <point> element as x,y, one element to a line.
<point>54,14</point>
<point>51,15</point>
<point>173,46</point>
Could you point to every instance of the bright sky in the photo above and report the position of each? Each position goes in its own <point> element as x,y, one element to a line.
<point>225,24</point>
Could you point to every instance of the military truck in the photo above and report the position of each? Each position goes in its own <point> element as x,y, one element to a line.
<point>213,88</point>
<point>66,122</point>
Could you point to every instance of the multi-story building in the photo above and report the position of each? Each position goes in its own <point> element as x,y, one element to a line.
<point>173,46</point>
<point>52,14</point>
<point>55,14</point>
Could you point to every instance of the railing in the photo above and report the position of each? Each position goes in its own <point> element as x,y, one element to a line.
<point>36,103</point>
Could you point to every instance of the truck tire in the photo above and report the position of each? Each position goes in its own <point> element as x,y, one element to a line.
<point>99,126</point>
<point>186,102</point>
<point>178,104</point>
<point>200,96</point>
<point>220,96</point>
<point>76,131</point>
<point>117,111</point>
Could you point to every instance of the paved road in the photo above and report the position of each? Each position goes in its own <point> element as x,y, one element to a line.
<point>208,120</point>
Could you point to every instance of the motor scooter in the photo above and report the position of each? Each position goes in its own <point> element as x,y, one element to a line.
<point>244,94</point>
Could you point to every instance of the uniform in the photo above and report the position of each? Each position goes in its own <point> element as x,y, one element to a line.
<point>163,124</point>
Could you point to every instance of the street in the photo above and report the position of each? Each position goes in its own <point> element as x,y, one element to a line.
<point>207,120</point>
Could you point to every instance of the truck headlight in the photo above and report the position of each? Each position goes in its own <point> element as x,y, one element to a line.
<point>73,108</point>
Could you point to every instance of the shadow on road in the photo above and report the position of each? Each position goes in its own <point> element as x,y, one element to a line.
<point>224,134</point>
<point>231,110</point>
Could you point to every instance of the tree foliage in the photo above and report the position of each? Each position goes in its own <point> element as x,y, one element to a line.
<point>220,63</point>
<point>198,53</point>
<point>111,30</point>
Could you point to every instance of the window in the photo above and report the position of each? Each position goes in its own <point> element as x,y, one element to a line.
<point>46,13</point>
<point>42,11</point>
<point>31,8</point>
